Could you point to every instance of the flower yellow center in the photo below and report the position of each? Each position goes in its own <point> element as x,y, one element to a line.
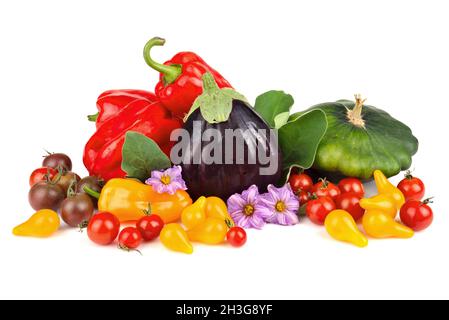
<point>280,206</point>
<point>165,179</point>
<point>248,210</point>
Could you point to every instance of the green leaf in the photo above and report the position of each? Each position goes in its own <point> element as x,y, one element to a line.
<point>299,140</point>
<point>281,119</point>
<point>141,155</point>
<point>271,105</point>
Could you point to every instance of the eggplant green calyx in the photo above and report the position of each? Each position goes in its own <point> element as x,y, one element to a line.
<point>355,115</point>
<point>215,104</point>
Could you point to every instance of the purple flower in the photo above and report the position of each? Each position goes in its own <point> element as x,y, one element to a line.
<point>167,181</point>
<point>282,204</point>
<point>247,210</point>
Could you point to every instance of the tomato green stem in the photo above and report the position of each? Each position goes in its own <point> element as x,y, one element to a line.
<point>171,72</point>
<point>83,225</point>
<point>408,175</point>
<point>71,191</point>
<point>313,196</point>
<point>91,192</point>
<point>57,178</point>
<point>324,184</point>
<point>125,248</point>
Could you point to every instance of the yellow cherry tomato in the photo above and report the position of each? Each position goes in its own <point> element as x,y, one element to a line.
<point>212,231</point>
<point>41,224</point>
<point>216,208</point>
<point>386,187</point>
<point>379,224</point>
<point>383,202</point>
<point>194,214</point>
<point>341,226</point>
<point>174,237</point>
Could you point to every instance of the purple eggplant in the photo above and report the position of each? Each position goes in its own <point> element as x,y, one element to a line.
<point>257,162</point>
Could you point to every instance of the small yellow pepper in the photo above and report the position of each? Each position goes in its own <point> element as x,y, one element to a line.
<point>205,220</point>
<point>211,231</point>
<point>216,208</point>
<point>174,237</point>
<point>128,199</point>
<point>194,214</point>
<point>383,202</point>
<point>379,224</point>
<point>43,223</point>
<point>341,226</point>
<point>386,187</point>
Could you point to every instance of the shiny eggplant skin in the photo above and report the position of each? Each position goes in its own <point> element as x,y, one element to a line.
<point>223,180</point>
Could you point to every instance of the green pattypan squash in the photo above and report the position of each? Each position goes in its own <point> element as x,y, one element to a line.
<point>360,139</point>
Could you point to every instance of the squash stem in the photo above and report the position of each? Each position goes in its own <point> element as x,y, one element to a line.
<point>355,115</point>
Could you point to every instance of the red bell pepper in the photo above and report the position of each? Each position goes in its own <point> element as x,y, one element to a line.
<point>180,78</point>
<point>103,152</point>
<point>110,102</point>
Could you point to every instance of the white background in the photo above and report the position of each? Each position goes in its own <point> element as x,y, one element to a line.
<point>56,57</point>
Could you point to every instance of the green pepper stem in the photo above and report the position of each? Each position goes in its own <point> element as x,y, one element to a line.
<point>147,211</point>
<point>91,192</point>
<point>172,72</point>
<point>93,117</point>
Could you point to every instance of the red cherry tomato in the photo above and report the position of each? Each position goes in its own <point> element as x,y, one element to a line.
<point>350,203</point>
<point>150,226</point>
<point>416,214</point>
<point>40,174</point>
<point>300,182</point>
<point>129,238</point>
<point>303,197</point>
<point>318,209</point>
<point>412,187</point>
<point>352,185</point>
<point>103,228</point>
<point>324,188</point>
<point>236,237</point>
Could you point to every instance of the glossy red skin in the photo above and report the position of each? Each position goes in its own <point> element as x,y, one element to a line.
<point>412,188</point>
<point>352,185</point>
<point>103,152</point>
<point>40,174</point>
<point>303,197</point>
<point>320,189</point>
<point>178,97</point>
<point>130,238</point>
<point>416,215</point>
<point>103,228</point>
<point>150,226</point>
<point>236,237</point>
<point>300,182</point>
<point>111,102</point>
<point>350,203</point>
<point>318,209</point>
